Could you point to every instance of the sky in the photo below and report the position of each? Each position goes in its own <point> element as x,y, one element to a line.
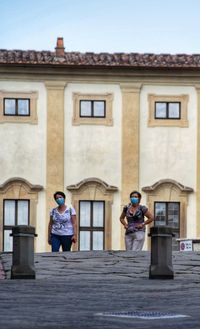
<point>113,26</point>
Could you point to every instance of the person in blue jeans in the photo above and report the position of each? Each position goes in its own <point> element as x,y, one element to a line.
<point>62,229</point>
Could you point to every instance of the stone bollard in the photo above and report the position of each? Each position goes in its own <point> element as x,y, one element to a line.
<point>23,252</point>
<point>161,253</point>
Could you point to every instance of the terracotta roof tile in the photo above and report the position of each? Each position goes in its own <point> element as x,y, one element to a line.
<point>99,60</point>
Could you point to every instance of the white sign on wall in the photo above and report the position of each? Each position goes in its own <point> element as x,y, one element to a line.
<point>186,245</point>
<point>196,246</point>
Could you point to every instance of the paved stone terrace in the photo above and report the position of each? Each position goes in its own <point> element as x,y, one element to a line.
<point>124,264</point>
<point>75,290</point>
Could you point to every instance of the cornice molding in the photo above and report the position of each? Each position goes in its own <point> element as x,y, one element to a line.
<point>131,87</point>
<point>181,187</point>
<point>197,86</point>
<point>55,84</point>
<point>92,180</point>
<point>20,181</point>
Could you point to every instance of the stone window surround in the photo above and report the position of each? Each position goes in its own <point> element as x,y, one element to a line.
<point>169,190</point>
<point>32,118</point>
<point>95,189</point>
<point>19,189</point>
<point>182,122</point>
<point>106,121</point>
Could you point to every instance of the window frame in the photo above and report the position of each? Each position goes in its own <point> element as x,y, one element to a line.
<point>92,228</point>
<point>20,189</point>
<point>16,106</point>
<point>94,189</point>
<point>181,122</point>
<point>161,191</point>
<point>167,214</point>
<point>17,118</point>
<point>167,111</point>
<point>9,227</point>
<point>107,120</point>
<point>92,108</point>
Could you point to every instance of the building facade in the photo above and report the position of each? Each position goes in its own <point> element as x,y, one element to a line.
<point>98,126</point>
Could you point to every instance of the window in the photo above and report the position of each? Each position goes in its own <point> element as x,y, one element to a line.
<point>166,110</point>
<point>96,216</point>
<point>168,214</point>
<point>18,107</point>
<point>14,106</point>
<point>18,206</point>
<point>15,212</point>
<point>92,109</point>
<point>172,213</point>
<point>91,225</point>
<point>95,109</point>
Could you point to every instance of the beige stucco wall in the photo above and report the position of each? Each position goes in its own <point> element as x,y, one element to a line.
<point>94,150</point>
<point>23,149</point>
<point>169,152</point>
<point>22,152</point>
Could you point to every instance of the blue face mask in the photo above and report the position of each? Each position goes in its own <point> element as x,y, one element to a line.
<point>134,200</point>
<point>60,201</point>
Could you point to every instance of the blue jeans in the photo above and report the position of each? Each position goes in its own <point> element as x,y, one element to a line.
<point>61,240</point>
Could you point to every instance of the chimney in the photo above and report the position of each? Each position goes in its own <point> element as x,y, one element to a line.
<point>60,50</point>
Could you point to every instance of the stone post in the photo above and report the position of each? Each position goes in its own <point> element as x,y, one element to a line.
<point>23,252</point>
<point>161,253</point>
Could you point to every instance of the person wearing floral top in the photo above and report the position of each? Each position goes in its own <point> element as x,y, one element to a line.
<point>133,220</point>
<point>62,229</point>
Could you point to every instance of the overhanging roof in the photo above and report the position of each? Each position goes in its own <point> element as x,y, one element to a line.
<point>77,59</point>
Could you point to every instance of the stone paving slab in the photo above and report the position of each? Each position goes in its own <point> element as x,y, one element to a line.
<point>78,289</point>
<point>121,263</point>
<point>87,263</point>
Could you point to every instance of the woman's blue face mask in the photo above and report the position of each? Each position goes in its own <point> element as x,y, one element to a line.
<point>134,200</point>
<point>60,201</point>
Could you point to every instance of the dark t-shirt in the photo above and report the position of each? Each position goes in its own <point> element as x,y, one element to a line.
<point>134,219</point>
